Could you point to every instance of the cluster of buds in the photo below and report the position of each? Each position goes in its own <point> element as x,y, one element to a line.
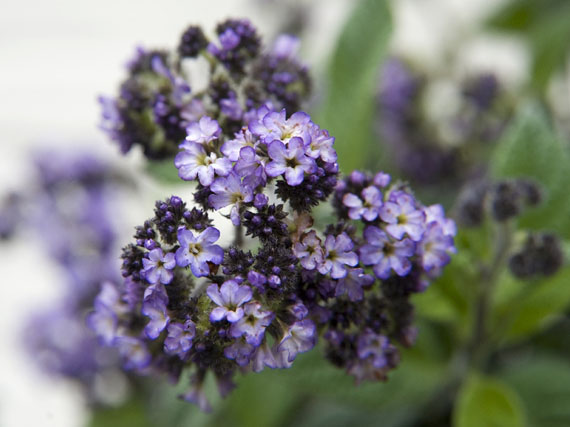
<point>156,103</point>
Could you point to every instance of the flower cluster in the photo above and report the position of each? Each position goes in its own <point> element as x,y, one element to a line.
<point>156,102</point>
<point>70,207</point>
<point>186,302</point>
<point>538,253</point>
<point>451,145</point>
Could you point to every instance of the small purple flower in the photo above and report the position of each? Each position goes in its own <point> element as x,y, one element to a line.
<point>158,267</point>
<point>289,160</point>
<point>253,323</point>
<point>373,346</point>
<point>435,213</point>
<point>309,251</point>
<point>338,254</point>
<point>263,357</point>
<point>229,298</point>
<point>386,255</point>
<point>134,352</point>
<point>231,108</point>
<point>353,284</point>
<point>251,166</point>
<point>154,307</point>
<point>435,247</point>
<point>402,216</point>
<point>203,131</point>
<point>197,251</point>
<point>179,339</point>
<point>231,148</point>
<point>197,396</point>
<point>240,351</point>
<point>230,191</point>
<point>321,145</point>
<point>276,126</point>
<point>368,208</point>
<point>381,179</point>
<point>103,321</point>
<point>193,161</point>
<point>285,46</point>
<point>299,338</point>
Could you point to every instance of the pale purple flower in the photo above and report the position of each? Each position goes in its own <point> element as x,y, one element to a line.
<point>338,254</point>
<point>231,149</point>
<point>230,191</point>
<point>180,87</point>
<point>373,346</point>
<point>435,247</point>
<point>276,126</point>
<point>192,111</point>
<point>179,339</point>
<point>203,131</point>
<point>367,207</point>
<point>253,323</point>
<point>231,108</point>
<point>134,352</point>
<point>229,298</point>
<point>309,251</point>
<point>103,321</point>
<point>197,251</point>
<point>158,267</point>
<point>353,284</point>
<point>289,160</point>
<point>196,395</point>
<point>402,216</point>
<point>154,308</point>
<point>285,46</point>
<point>193,161</point>
<point>263,357</point>
<point>250,166</point>
<point>386,255</point>
<point>381,179</point>
<point>321,145</point>
<point>299,338</point>
<point>435,213</point>
<point>240,351</point>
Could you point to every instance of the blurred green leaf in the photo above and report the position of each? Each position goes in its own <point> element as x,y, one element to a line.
<point>537,306</point>
<point>131,414</point>
<point>543,383</point>
<point>530,148</point>
<point>163,171</point>
<point>348,108</point>
<point>544,25</point>
<point>487,402</point>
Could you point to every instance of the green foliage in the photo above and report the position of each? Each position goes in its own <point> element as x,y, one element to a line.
<point>348,109</point>
<point>544,25</point>
<point>530,148</point>
<point>543,383</point>
<point>536,305</point>
<point>487,402</point>
<point>163,171</point>
<point>131,414</point>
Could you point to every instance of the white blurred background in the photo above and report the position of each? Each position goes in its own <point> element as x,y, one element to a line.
<point>56,56</point>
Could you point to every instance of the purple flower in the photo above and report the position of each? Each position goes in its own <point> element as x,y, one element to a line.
<point>193,161</point>
<point>435,213</point>
<point>338,253</point>
<point>179,339</point>
<point>231,149</point>
<point>103,321</point>
<point>381,179</point>
<point>289,160</point>
<point>231,108</point>
<point>263,357</point>
<point>353,284</point>
<point>154,307</point>
<point>299,338</point>
<point>240,351</point>
<point>386,255</point>
<point>373,346</point>
<point>230,191</point>
<point>203,131</point>
<point>285,46</point>
<point>367,209</point>
<point>158,267</point>
<point>321,145</point>
<point>253,323</point>
<point>229,298</point>
<point>197,396</point>
<point>197,251</point>
<point>276,126</point>
<point>309,251</point>
<point>435,247</point>
<point>251,166</point>
<point>134,352</point>
<point>402,216</point>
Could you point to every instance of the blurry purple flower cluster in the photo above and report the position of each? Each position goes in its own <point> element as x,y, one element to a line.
<point>156,102</point>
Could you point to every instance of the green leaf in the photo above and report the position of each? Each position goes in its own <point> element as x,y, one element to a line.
<point>530,148</point>
<point>537,306</point>
<point>487,402</point>
<point>348,109</point>
<point>131,414</point>
<point>163,171</point>
<point>543,383</point>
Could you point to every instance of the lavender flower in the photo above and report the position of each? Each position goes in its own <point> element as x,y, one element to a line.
<point>253,323</point>
<point>402,216</point>
<point>290,160</point>
<point>194,162</point>
<point>179,339</point>
<point>368,208</point>
<point>386,255</point>
<point>230,191</point>
<point>197,251</point>
<point>158,267</point>
<point>338,254</point>
<point>203,131</point>
<point>229,298</point>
